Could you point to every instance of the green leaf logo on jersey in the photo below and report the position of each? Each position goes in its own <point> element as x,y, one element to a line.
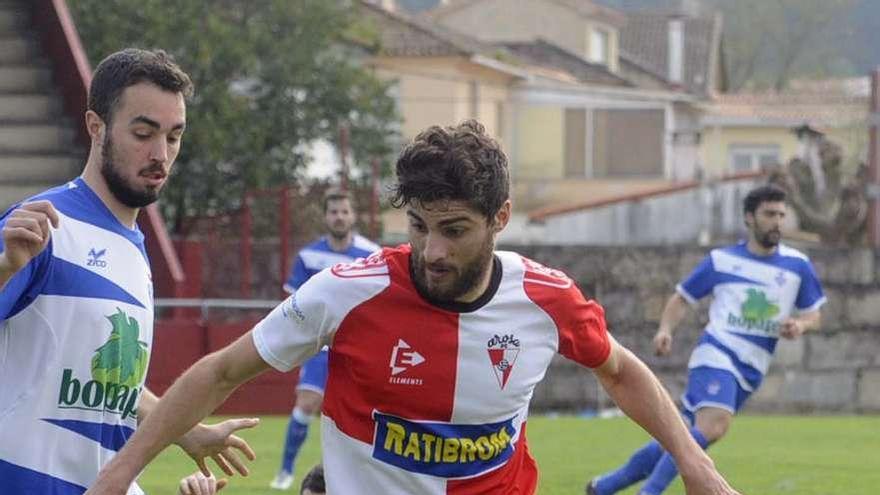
<point>756,314</point>
<point>123,358</point>
<point>757,307</point>
<point>118,368</point>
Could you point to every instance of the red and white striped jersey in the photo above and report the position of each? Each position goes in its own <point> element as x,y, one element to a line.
<point>428,399</point>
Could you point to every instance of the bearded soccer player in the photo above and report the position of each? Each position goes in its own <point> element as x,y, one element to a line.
<point>76,299</point>
<point>762,290</point>
<point>435,348</point>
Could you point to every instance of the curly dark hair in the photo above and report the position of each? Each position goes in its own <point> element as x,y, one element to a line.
<point>129,67</point>
<point>314,480</point>
<point>764,194</point>
<point>453,163</point>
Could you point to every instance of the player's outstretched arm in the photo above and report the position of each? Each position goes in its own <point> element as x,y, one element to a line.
<point>216,441</point>
<point>641,396</point>
<point>192,397</point>
<point>26,234</point>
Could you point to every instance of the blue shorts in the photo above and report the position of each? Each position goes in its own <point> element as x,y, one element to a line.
<point>712,387</point>
<point>313,373</point>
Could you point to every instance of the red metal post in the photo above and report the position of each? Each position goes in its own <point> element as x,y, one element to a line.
<point>343,157</point>
<point>284,231</point>
<point>246,245</point>
<point>374,198</point>
<point>874,161</point>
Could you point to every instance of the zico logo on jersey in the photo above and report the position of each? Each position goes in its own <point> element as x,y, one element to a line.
<point>442,449</point>
<point>757,314</point>
<point>118,368</point>
<point>95,258</point>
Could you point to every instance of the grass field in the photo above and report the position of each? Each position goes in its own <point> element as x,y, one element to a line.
<point>762,455</point>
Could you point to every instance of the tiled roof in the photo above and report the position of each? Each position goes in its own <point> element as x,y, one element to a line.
<point>403,35</point>
<point>642,76</point>
<point>645,42</point>
<point>595,11</point>
<point>543,54</point>
<point>828,103</point>
<point>585,8</point>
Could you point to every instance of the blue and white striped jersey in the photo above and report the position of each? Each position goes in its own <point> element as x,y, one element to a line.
<point>76,329</point>
<point>319,255</point>
<point>752,296</point>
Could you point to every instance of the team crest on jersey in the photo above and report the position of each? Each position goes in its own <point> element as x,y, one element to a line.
<point>503,351</point>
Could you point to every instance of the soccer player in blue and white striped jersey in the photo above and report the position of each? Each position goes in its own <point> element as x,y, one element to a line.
<point>762,290</point>
<point>76,294</point>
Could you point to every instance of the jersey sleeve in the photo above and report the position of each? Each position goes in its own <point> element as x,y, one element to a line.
<point>699,283</point>
<point>20,290</point>
<point>583,335</point>
<point>810,296</point>
<point>580,323</point>
<point>298,327</point>
<point>298,276</point>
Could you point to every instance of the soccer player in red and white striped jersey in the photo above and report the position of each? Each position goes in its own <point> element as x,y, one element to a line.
<point>435,347</point>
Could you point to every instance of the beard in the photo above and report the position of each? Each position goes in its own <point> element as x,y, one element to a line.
<point>769,239</point>
<point>119,186</point>
<point>465,278</point>
<point>339,233</point>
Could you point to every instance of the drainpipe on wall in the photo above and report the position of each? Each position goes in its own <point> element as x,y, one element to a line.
<point>675,51</point>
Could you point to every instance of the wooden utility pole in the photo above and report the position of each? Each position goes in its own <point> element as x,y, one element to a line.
<point>874,161</point>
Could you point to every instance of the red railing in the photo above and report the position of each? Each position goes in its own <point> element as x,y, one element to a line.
<point>71,71</point>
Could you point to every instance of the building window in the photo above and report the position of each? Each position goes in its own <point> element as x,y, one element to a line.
<point>628,143</point>
<point>752,157</point>
<point>599,46</point>
<point>575,143</point>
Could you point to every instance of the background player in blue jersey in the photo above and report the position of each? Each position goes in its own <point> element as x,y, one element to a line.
<point>340,245</point>
<point>762,290</point>
<point>75,282</point>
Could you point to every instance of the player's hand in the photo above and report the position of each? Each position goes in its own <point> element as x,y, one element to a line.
<point>792,328</point>
<point>704,479</point>
<point>26,234</point>
<point>662,343</point>
<point>199,484</point>
<point>220,444</point>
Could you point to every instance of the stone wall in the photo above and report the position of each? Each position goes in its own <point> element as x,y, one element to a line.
<point>834,370</point>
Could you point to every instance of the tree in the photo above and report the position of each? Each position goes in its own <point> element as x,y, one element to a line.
<point>838,209</point>
<point>768,42</point>
<point>271,77</point>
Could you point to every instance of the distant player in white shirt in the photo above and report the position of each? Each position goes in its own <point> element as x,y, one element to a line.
<point>340,245</point>
<point>762,290</point>
<point>435,348</point>
<point>76,296</point>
